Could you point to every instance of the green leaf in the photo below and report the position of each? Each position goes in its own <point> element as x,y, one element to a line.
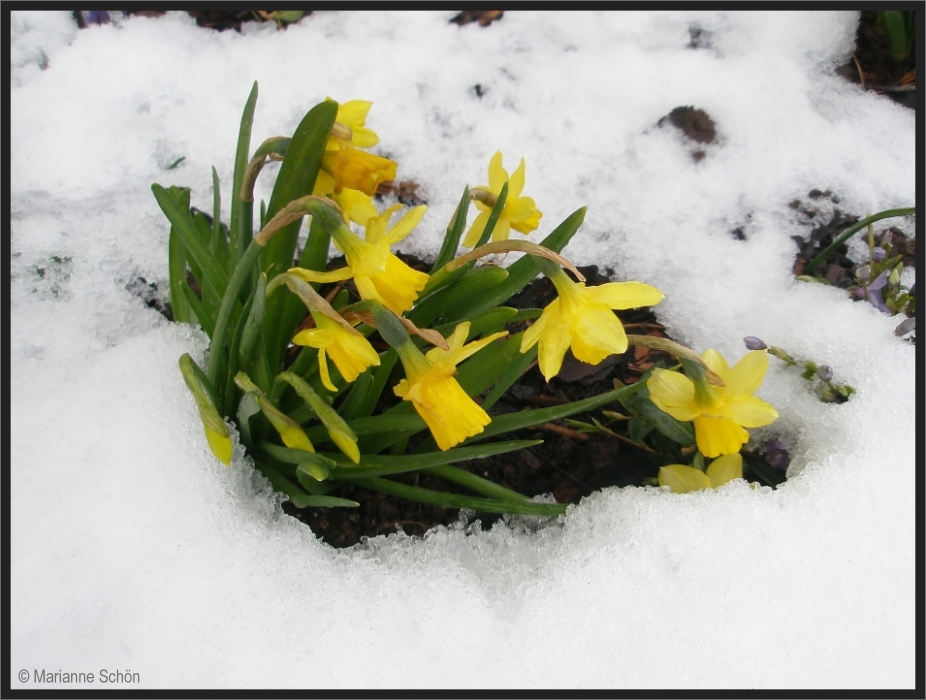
<point>297,496</point>
<point>210,298</point>
<point>541,416</point>
<point>497,210</point>
<point>176,262</point>
<point>450,500</point>
<point>252,323</point>
<point>355,396</point>
<point>213,273</point>
<point>241,216</point>
<point>381,374</point>
<point>454,233</point>
<point>851,231</point>
<point>296,179</point>
<point>473,282</point>
<point>475,483</point>
<point>293,456</point>
<point>193,303</point>
<point>383,465</point>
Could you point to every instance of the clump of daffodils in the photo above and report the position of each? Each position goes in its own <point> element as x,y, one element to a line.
<point>303,374</point>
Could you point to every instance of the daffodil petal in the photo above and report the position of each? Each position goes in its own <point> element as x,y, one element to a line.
<point>718,364</point>
<point>405,225</point>
<point>476,229</point>
<point>315,276</point>
<point>519,209</point>
<point>354,112</point>
<point>624,295</point>
<point>718,436</point>
<point>363,137</point>
<point>529,224</point>
<point>552,348</point>
<point>324,184</point>
<point>358,206</point>
<point>497,174</point>
<point>673,393</point>
<point>751,412</point>
<point>682,479</point>
<point>516,181</point>
<point>747,375</point>
<point>533,333</point>
<point>502,229</point>
<point>598,334</point>
<point>314,337</point>
<point>323,371</point>
<point>725,468</point>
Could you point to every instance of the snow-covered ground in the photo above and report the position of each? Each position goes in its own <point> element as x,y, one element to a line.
<point>133,549</point>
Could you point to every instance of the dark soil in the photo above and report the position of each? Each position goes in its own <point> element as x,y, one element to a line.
<point>874,68</point>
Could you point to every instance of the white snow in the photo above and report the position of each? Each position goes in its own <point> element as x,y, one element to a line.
<point>133,549</point>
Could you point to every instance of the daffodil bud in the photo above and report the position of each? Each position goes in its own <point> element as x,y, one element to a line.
<point>216,431</point>
<point>390,327</point>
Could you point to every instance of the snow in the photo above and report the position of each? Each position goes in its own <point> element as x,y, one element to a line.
<point>132,548</point>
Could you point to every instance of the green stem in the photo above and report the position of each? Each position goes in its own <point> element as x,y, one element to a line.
<point>846,235</point>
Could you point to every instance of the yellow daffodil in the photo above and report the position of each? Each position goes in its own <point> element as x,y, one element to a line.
<point>581,318</point>
<point>451,415</point>
<point>520,213</point>
<point>682,479</point>
<point>351,352</point>
<point>356,206</point>
<point>720,413</point>
<point>351,168</point>
<point>377,272</point>
<point>352,115</point>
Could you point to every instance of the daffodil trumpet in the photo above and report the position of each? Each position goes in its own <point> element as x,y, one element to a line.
<point>447,410</point>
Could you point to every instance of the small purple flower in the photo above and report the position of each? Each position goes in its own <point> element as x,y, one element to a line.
<point>753,343</point>
<point>825,372</point>
<point>776,454</point>
<point>872,292</point>
<point>878,254</point>
<point>887,237</point>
